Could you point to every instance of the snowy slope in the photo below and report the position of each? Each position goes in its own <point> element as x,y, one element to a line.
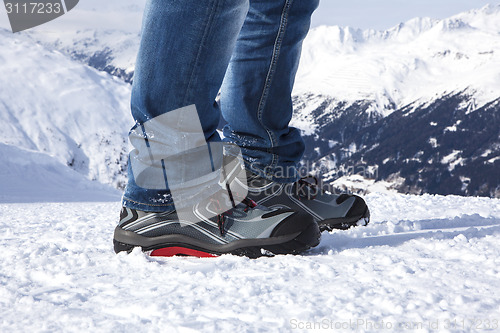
<point>425,260</point>
<point>71,112</point>
<point>32,176</point>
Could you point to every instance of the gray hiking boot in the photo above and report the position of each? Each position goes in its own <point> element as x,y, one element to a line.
<point>248,229</point>
<point>330,211</point>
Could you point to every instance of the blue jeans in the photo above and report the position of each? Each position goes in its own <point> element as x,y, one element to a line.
<point>248,50</point>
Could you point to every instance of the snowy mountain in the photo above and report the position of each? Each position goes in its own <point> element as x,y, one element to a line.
<point>58,115</point>
<point>417,60</point>
<point>415,106</point>
<point>104,35</point>
<point>442,148</point>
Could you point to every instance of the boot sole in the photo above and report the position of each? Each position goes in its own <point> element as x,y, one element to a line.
<point>345,223</point>
<point>171,245</point>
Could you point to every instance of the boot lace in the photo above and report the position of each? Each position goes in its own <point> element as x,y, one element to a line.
<point>308,187</point>
<point>222,215</point>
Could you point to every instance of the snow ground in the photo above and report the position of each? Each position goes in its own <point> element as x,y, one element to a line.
<point>425,263</point>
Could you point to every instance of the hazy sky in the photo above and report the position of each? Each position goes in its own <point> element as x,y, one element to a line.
<point>376,14</point>
<point>383,14</point>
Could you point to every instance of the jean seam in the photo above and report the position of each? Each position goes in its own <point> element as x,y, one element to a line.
<point>270,76</point>
<point>206,29</point>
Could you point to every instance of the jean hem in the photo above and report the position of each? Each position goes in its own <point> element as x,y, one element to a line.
<point>147,207</point>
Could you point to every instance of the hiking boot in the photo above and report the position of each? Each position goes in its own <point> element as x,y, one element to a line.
<point>248,229</point>
<point>329,210</point>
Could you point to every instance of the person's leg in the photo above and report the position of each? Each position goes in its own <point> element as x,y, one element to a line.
<point>256,102</point>
<point>185,49</point>
<point>256,92</point>
<point>186,46</point>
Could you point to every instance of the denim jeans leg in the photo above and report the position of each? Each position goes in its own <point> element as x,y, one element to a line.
<point>186,46</point>
<point>256,92</point>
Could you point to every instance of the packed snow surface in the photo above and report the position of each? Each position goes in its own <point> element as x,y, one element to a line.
<point>425,263</point>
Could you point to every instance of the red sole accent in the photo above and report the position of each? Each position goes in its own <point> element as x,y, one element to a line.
<point>175,251</point>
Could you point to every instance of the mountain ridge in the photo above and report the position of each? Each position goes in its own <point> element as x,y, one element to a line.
<point>349,82</point>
